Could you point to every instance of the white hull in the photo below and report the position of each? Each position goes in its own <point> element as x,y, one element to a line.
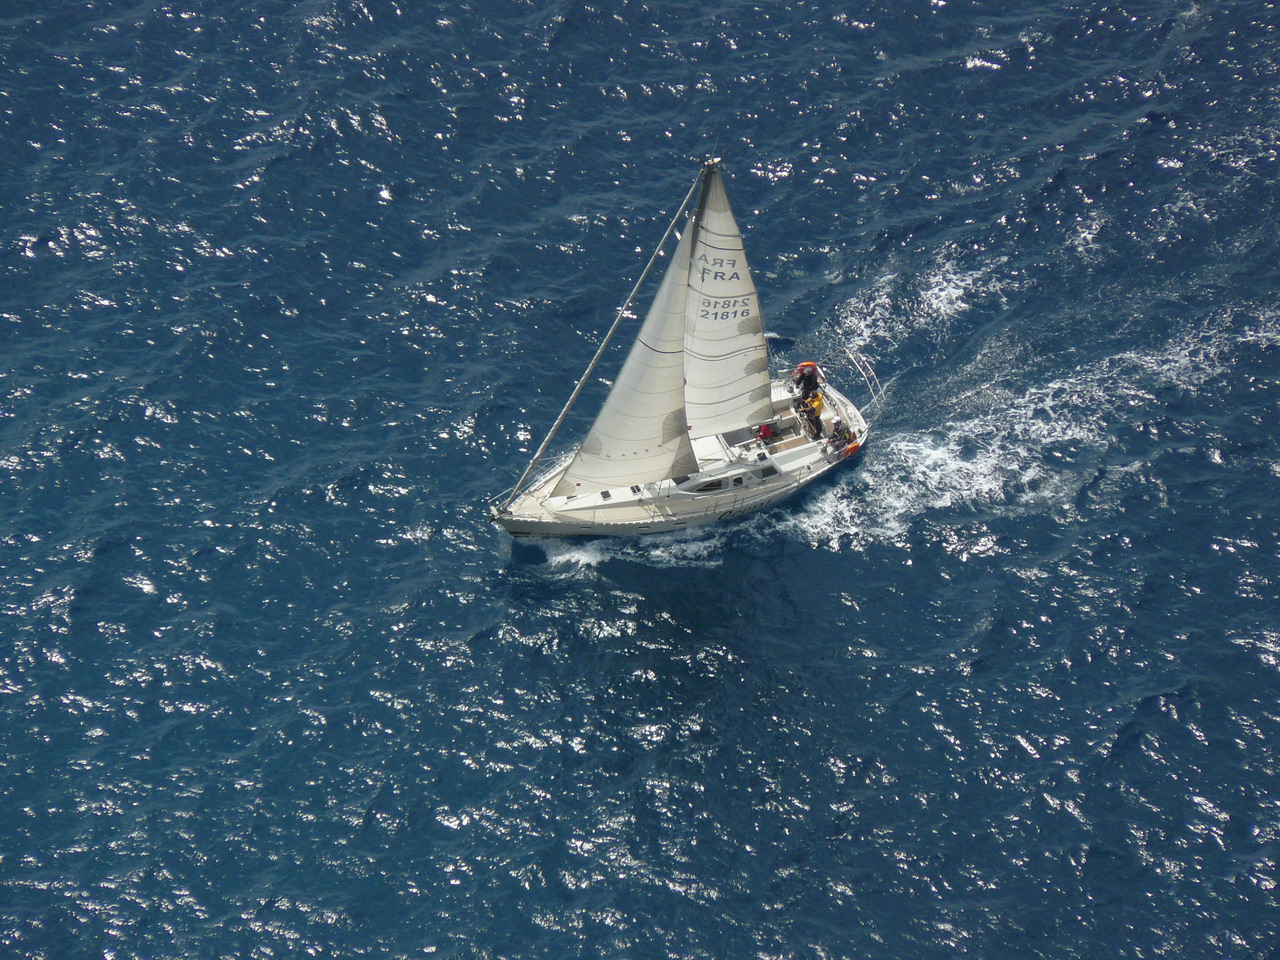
<point>736,475</point>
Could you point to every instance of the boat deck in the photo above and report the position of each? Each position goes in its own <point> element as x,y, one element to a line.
<point>737,473</point>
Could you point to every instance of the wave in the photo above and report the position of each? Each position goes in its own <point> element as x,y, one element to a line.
<point>1005,451</point>
<point>700,547</point>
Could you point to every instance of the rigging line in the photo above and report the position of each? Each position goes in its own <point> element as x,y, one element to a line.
<point>515,491</point>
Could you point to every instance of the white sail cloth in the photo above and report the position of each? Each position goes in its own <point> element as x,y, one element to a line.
<point>640,434</point>
<point>726,359</point>
<point>699,367</point>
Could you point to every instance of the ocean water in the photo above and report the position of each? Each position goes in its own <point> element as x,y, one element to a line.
<point>288,289</point>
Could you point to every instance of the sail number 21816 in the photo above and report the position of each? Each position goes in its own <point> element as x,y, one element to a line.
<point>727,308</point>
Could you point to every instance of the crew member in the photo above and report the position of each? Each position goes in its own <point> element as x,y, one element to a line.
<point>805,378</point>
<point>765,433</point>
<point>812,409</point>
<point>840,435</point>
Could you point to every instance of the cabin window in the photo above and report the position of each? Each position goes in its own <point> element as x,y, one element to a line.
<point>768,472</point>
<point>679,480</point>
<point>606,495</point>
<point>711,485</point>
<point>737,481</point>
<point>635,488</point>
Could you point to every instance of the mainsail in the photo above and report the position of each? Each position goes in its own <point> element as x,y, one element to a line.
<point>699,367</point>
<point>727,361</point>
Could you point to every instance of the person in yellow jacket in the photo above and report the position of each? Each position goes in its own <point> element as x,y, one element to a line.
<point>812,409</point>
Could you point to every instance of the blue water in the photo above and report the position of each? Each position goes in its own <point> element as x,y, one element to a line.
<point>286,290</point>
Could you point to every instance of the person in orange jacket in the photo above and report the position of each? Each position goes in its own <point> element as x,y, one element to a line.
<point>805,378</point>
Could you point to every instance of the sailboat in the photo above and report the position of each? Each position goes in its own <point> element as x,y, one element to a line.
<point>695,430</point>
